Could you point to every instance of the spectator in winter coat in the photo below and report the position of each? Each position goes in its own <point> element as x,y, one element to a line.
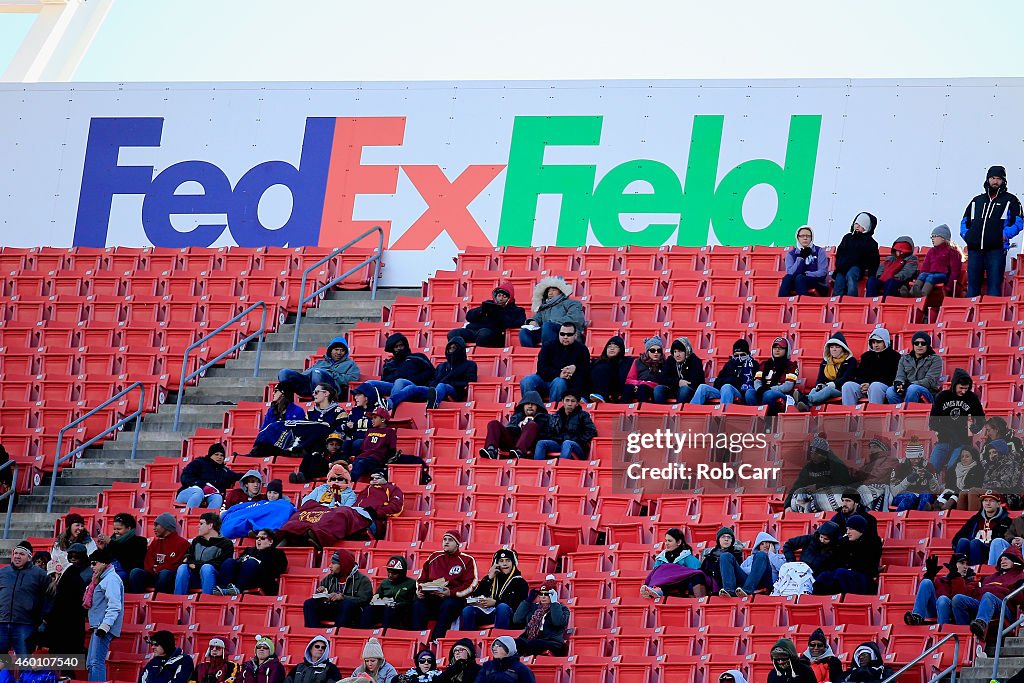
<point>381,500</point>
<point>806,267</point>
<point>524,429</point>
<point>867,666</point>
<point>860,555</point>
<point>645,374</point>
<point>127,548</point>
<point>775,381</point>
<point>65,621</point>
<point>838,367</point>
<point>249,489</point>
<point>215,666</point>
<point>391,605</point>
<point>914,484</point>
<point>570,431</point>
<point>335,368</point>
<point>74,532</point>
<point>164,555</point>
<point>823,469</point>
<point>941,265</point>
<point>336,491</point>
<point>282,408</point>
<point>956,414</point>
<point>544,621</point>
<point>991,220</point>
<point>264,667</point>
<point>934,599</point>
<point>341,595</point>
<point>759,571</point>
<point>22,593</point>
<point>379,445</point>
<point>169,664</point>
<point>976,535</point>
<point>447,579</point>
<point>104,599</point>
<point>918,373</point>
<point>415,368</point>
<point>677,551</point>
<point>498,595</point>
<point>856,255</point>
<point>1014,535</point>
<point>786,664</point>
<point>681,373</point>
<point>357,424</point>
<point>258,567</point>
<point>608,374</point>
<point>968,473</point>
<point>504,665</point>
<point>876,371</point>
<point>711,559</point>
<point>880,463</point>
<point>374,664</point>
<point>316,665</point>
<point>450,382</point>
<point>462,665</point>
<point>1004,467</point>
<point>206,479</point>
<point>896,271</point>
<point>552,307</point>
<point>205,555</point>
<point>486,324</point>
<point>850,505</point>
<point>424,669</point>
<point>316,464</point>
<point>993,589</point>
<point>562,365</point>
<point>732,676</point>
<point>733,381</point>
<point>820,551</point>
<point>820,658</point>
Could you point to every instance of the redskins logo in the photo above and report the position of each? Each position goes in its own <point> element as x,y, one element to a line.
<point>311,516</point>
<point>455,571</point>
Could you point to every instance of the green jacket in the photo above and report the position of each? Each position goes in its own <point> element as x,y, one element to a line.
<point>403,592</point>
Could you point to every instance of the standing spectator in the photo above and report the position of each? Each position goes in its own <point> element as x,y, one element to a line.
<point>850,504</point>
<point>249,489</point>
<point>65,622</point>
<point>1014,535</point>
<point>128,549</point>
<point>681,373</point>
<point>374,664</point>
<point>486,324</point>
<point>991,220</point>
<point>525,427</point>
<point>856,256</point>
<point>676,571</point>
<point>504,665</point>
<point>896,271</point>
<point>711,559</point>
<point>820,658</point>
<point>806,267</point>
<point>759,571</point>
<point>608,374</point>
<point>74,532</point>
<point>498,595</point>
<point>205,555</point>
<point>447,579</point>
<point>391,605</point>
<point>335,368</point>
<point>462,665</point>
<point>544,621</point>
<point>645,374</point>
<point>258,567</point>
<point>206,479</point>
<point>993,589</point>
<point>942,264</point>
<point>341,595</point>
<point>424,669</point>
<point>450,382</point>
<point>838,367</point>
<point>316,665</point>
<point>989,523</point>
<point>562,365</point>
<point>918,373</point>
<point>104,599</point>
<point>786,664</point>
<point>22,592</point>
<point>404,368</point>
<point>169,664</point>
<point>775,381</point>
<point>282,408</point>
<point>264,667</point>
<point>733,381</point>
<point>570,431</point>
<point>956,412</point>
<point>867,665</point>
<point>876,371</point>
<point>552,308</point>
<point>164,555</point>
<point>914,484</point>
<point>934,599</point>
<point>820,550</point>
<point>858,570</point>
<point>379,445</point>
<point>215,667</point>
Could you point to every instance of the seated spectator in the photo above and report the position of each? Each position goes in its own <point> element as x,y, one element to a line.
<point>336,491</point>
<point>381,500</point>
<point>205,480</point>
<point>374,664</point>
<point>968,473</point>
<point>259,567</point>
<point>462,665</point>
<point>249,489</point>
<point>1004,467</point>
<point>127,548</point>
<point>552,308</point>
<point>934,599</point>
<point>341,595</point>
<point>325,417</point>
<point>215,667</point>
<point>168,664</point>
<point>733,381</point>
<point>977,534</point>
<point>645,374</point>
<point>942,264</point>
<point>894,274</point>
<point>357,424</point>
<point>850,504</point>
<point>391,605</point>
<point>447,579</point>
<point>806,267</point>
<point>819,550</point>
<point>486,324</point>
<point>104,600</point>
<point>329,514</point>
<point>676,571</point>
<point>608,374</point>
<point>74,532</point>
<point>856,256</point>
<point>914,484</point>
<point>570,431</point>
<point>1014,535</point>
<point>264,667</point>
<point>786,664</point>
<point>164,555</point>
<point>956,415</point>
<point>316,665</point>
<point>876,371</point>
<point>681,373</point>
<point>504,664</point>
<point>379,445</point>
<point>403,369</point>
<point>858,568</point>
<point>316,464</point>
<point>269,441</point>
<point>867,665</point>
<point>562,365</point>
<point>823,471</point>
<point>246,519</point>
<point>64,621</point>
<point>498,595</point>
<point>205,555</point>
<point>775,381</point>
<point>275,490</point>
<point>544,621</point>
<point>993,590</point>
<point>450,381</point>
<point>732,676</point>
<point>711,558</point>
<point>918,373</point>
<point>820,659</point>
<point>23,589</point>
<point>335,369</point>
<point>525,427</point>
<point>424,669</point>
<point>838,367</point>
<point>759,571</point>
<point>879,465</point>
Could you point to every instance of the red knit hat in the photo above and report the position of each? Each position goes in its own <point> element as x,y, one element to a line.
<point>454,534</point>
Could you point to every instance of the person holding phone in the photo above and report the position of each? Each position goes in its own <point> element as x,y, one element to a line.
<point>498,595</point>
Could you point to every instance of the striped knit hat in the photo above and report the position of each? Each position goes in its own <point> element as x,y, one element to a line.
<point>915,449</point>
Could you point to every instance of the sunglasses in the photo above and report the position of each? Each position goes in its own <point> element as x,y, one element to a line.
<point>376,476</point>
<point>920,343</point>
<point>566,334</point>
<point>653,350</point>
<point>262,647</point>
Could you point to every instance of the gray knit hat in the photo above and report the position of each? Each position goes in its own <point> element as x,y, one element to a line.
<point>942,231</point>
<point>167,521</point>
<point>651,342</point>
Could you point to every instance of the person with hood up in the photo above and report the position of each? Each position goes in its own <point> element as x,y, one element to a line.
<point>498,595</point>
<point>165,553</point>
<point>448,577</point>
<point>462,665</point>
<point>914,484</point>
<point>934,599</point>
<point>759,570</point>
<point>819,550</point>
<point>341,595</point>
<point>249,489</point>
<point>524,429</point>
<point>282,409</point>
<point>806,267</point>
<point>486,324</point>
<point>424,669</point>
<point>335,368</point>
<point>732,676</point>
<point>127,547</point>
<point>204,480</point>
<point>681,373</point>
<point>918,374</point>
<point>941,264</point>
<point>644,375</point>
<point>823,469</point>
<point>337,490</point>
<point>956,414</point>
<point>562,365</point>
<point>206,554</point>
<point>169,664</point>
<point>552,307</point>
<point>838,366</point>
<point>993,590</point>
<point>860,555</point>
<point>104,600</point>
<point>414,368</point>
<point>786,664</point>
<point>775,381</point>
<point>990,221</point>
<point>215,667</point>
<point>64,623</point>
<point>896,271</point>
<point>374,664</point>
<point>867,665</point>
<point>316,665</point>
<point>504,665</point>
<point>570,431</point>
<point>1004,467</point>
<point>856,255</point>
<point>264,667</point>
<point>876,370</point>
<point>450,382</point>
<point>976,535</point>
<point>821,659</point>
<point>258,567</point>
<point>711,558</point>
<point>391,605</point>
<point>608,374</point>
<point>379,445</point>
<point>544,621</point>
<point>733,381</point>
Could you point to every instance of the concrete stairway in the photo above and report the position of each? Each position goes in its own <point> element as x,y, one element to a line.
<point>1011,661</point>
<point>203,406</point>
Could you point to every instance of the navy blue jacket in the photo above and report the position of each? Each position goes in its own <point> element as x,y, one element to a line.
<point>820,557</point>
<point>505,670</point>
<point>176,668</point>
<point>205,471</point>
<point>415,367</point>
<point>991,222</point>
<point>457,370</point>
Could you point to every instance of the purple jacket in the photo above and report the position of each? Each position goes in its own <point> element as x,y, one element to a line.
<point>815,265</point>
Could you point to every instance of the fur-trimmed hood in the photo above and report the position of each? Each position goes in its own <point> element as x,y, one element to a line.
<point>544,284</point>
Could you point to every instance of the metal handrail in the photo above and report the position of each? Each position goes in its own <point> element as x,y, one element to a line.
<point>1003,631</point>
<point>9,494</point>
<point>951,669</point>
<point>374,258</point>
<point>117,425</point>
<point>261,332</point>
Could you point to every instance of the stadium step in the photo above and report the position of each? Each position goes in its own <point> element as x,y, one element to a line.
<point>981,672</point>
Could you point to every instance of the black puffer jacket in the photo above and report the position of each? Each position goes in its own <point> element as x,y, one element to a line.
<point>457,370</point>
<point>415,367</point>
<point>489,315</point>
<point>577,427</point>
<point>858,249</point>
<point>691,369</point>
<point>541,418</point>
<point>204,470</point>
<point>820,557</point>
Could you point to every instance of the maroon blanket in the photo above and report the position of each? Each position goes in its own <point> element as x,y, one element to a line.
<point>330,525</point>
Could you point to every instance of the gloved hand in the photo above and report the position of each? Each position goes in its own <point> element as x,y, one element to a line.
<point>931,567</point>
<point>805,252</point>
<point>101,632</point>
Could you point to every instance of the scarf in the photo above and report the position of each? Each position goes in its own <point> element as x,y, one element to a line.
<point>534,624</point>
<point>895,263</point>
<point>87,598</point>
<point>123,537</point>
<point>495,590</point>
<point>832,367</point>
<point>651,364</point>
<point>962,471</point>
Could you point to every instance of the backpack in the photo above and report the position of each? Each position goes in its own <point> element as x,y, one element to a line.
<point>795,578</point>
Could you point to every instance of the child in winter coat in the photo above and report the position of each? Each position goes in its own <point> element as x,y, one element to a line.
<point>856,256</point>
<point>941,265</point>
<point>896,271</point>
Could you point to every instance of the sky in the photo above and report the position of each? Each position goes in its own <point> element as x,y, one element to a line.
<point>332,40</point>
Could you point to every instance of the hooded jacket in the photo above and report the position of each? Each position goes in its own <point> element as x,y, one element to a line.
<point>990,222</point>
<point>952,416</point>
<point>925,371</point>
<point>777,373</point>
<point>985,529</point>
<point>1005,471</point>
<point>402,591</point>
<point>240,495</point>
<point>841,518</point>
<point>609,374</point>
<point>204,470</point>
<point>943,259</point>
<point>21,594</point>
<point>269,671</point>
<point>492,316</point>
<point>577,427</point>
<point>457,370</point>
<point>813,263</point>
<point>511,589</point>
<point>738,372</point>
<point>825,666</point>
<point>796,671</point>
<point>1004,581</point>
<point>879,366</point>
<point>343,371</point>
<point>841,372</point>
<point>320,670</point>
<point>176,667</point>
<point>555,355</point>
<point>272,564</point>
<point>215,670</point>
<point>820,557</point>
<point>875,671</point>
<point>863,556</point>
<point>710,558</point>
<point>107,609</point>
<point>415,367</point>
<point>691,369</point>
<point>552,625</point>
<point>541,418</point>
<point>505,670</point>
<point>901,264</point>
<point>209,551</point>
<point>775,558</point>
<point>460,671</point>
<point>559,309</point>
<point>858,249</point>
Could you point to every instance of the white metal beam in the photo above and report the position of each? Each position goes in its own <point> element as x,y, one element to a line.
<point>58,39</point>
